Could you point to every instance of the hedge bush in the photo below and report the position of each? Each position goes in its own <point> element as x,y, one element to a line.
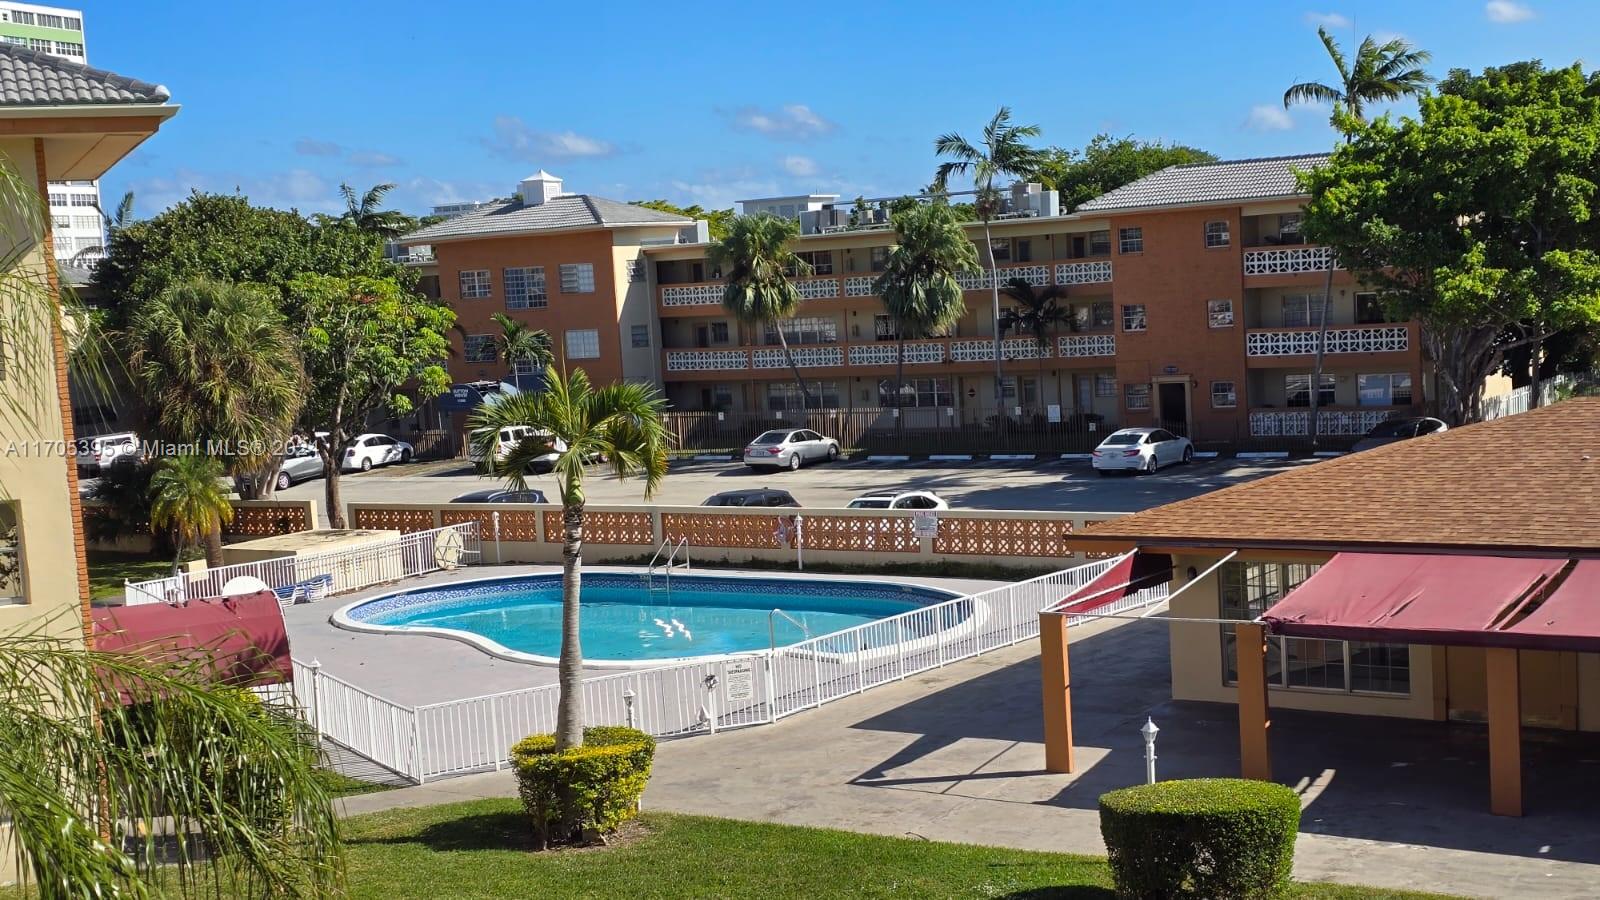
<point>582,791</point>
<point>1206,837</point>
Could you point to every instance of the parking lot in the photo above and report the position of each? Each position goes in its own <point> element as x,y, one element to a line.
<point>1039,485</point>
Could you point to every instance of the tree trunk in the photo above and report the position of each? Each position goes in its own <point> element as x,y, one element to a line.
<point>569,705</point>
<point>214,545</point>
<point>994,291</point>
<point>1322,344</point>
<point>266,482</point>
<point>805,392</point>
<point>1534,352</point>
<point>330,478</point>
<point>1463,358</point>
<point>177,554</point>
<point>899,386</point>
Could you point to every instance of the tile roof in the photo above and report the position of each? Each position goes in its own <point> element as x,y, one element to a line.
<point>31,78</point>
<point>571,211</point>
<point>1230,181</point>
<point>1528,482</point>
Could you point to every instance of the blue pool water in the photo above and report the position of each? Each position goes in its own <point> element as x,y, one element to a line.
<point>623,621</point>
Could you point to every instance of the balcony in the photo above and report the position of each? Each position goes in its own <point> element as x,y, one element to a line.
<point>804,357</point>
<point>1270,342</point>
<point>1096,272</point>
<point>707,360</point>
<point>869,354</point>
<point>1036,275</point>
<point>1075,346</point>
<point>830,287</point>
<point>917,353</point>
<point>1287,260</point>
<point>1331,420</point>
<point>709,294</point>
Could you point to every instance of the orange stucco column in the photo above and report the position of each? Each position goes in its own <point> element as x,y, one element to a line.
<point>1255,757</point>
<point>1057,681</point>
<point>1505,732</point>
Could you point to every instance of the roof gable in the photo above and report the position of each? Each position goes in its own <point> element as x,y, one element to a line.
<point>1191,184</point>
<point>560,213</point>
<point>31,78</point>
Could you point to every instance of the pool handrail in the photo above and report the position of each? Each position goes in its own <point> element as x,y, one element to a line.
<point>772,630</point>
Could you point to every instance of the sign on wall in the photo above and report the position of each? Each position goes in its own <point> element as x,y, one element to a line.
<point>739,680</point>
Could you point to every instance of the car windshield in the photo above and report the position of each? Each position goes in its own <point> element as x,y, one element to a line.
<point>771,437</point>
<point>1393,428</point>
<point>1123,440</point>
<point>870,503</point>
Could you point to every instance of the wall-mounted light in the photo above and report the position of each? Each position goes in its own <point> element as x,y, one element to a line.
<point>1192,572</point>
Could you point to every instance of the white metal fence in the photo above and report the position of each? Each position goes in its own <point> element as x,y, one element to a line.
<point>332,572</point>
<point>476,733</point>
<point>1520,400</point>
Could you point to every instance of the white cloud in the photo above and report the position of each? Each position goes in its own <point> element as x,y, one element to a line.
<point>373,159</point>
<point>800,166</point>
<point>514,139</point>
<point>1329,20</point>
<point>793,121</point>
<point>293,189</point>
<point>1507,12</point>
<point>313,147</point>
<point>1268,117</point>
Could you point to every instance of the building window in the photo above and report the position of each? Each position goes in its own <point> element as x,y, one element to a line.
<point>583,343</point>
<point>49,21</point>
<point>479,348</point>
<point>523,367</point>
<point>40,44</point>
<point>916,392</point>
<point>1217,234</point>
<point>1136,396</point>
<point>883,328</point>
<point>1100,243</point>
<point>641,336</point>
<point>1369,309</point>
<point>1133,317</point>
<point>1001,249</point>
<point>879,258</point>
<point>89,200</point>
<point>10,556</point>
<point>86,223</point>
<point>1301,310</point>
<point>21,17</point>
<point>61,221</point>
<point>13,39</point>
<point>68,48</point>
<point>719,332</point>
<point>58,199</point>
<point>1297,390</point>
<point>805,330</point>
<point>1219,313</point>
<point>63,245</point>
<point>635,270</point>
<point>474,284</point>
<point>1223,395</point>
<point>1289,228</point>
<point>1130,240</point>
<point>525,288</point>
<point>577,278</point>
<point>1105,385</point>
<point>1384,390</point>
<point>787,395</point>
<point>820,261</point>
<point>73,23</point>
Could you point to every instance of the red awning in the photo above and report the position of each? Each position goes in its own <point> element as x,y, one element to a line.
<point>1569,619</point>
<point>1420,599</point>
<point>235,640</point>
<point>1131,574</point>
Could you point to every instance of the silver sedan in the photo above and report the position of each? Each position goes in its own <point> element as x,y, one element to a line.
<point>790,449</point>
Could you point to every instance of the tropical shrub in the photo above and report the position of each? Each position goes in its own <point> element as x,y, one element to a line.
<point>575,794</point>
<point>1206,837</point>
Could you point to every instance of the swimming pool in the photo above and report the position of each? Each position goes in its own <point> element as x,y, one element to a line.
<point>625,624</point>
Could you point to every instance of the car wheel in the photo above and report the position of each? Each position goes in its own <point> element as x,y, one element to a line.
<point>1150,465</point>
<point>1102,473</point>
<point>284,481</point>
<point>405,456</point>
<point>366,464</point>
<point>794,462</point>
<point>833,453</point>
<point>1188,455</point>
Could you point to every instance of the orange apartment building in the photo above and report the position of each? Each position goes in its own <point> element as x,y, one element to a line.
<point>1193,303</point>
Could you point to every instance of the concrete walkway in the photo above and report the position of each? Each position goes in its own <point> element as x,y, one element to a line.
<point>955,755</point>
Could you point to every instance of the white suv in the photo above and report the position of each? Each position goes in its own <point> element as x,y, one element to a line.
<point>512,435</point>
<point>99,453</point>
<point>905,500</point>
<point>368,450</point>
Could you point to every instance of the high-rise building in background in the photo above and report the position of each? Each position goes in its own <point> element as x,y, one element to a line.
<point>74,205</point>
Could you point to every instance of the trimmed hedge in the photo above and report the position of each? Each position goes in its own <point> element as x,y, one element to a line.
<point>574,793</point>
<point>1206,837</point>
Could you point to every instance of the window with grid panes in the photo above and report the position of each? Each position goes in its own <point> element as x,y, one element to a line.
<point>1133,318</point>
<point>1130,240</point>
<point>577,278</point>
<point>475,284</point>
<point>479,348</point>
<point>583,343</point>
<point>525,287</point>
<point>1217,234</point>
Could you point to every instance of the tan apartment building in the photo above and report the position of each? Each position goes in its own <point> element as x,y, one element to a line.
<point>1193,303</point>
<point>59,121</point>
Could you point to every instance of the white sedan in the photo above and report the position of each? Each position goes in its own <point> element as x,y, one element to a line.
<point>790,449</point>
<point>368,450</point>
<point>1141,450</point>
<point>902,500</point>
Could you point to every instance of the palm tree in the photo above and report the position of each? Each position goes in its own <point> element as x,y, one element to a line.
<point>1004,154</point>
<point>215,362</point>
<point>520,342</point>
<point>919,283</point>
<point>1386,71</point>
<point>755,258</point>
<point>186,497</point>
<point>364,212</point>
<point>1038,312</point>
<point>114,222</point>
<point>620,423</point>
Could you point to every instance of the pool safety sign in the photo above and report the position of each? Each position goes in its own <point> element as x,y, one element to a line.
<point>925,522</point>
<point>739,680</point>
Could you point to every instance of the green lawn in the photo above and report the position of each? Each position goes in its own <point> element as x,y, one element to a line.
<point>107,571</point>
<point>480,849</point>
<point>345,786</point>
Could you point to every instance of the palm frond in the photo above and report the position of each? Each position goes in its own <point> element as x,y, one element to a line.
<point>1311,92</point>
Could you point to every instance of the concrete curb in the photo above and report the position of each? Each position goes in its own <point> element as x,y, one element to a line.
<point>1011,457</point>
<point>713,457</point>
<point>950,457</point>
<point>891,458</point>
<point>1208,454</point>
<point>1077,456</point>
<point>1262,454</point>
<point>1328,454</point>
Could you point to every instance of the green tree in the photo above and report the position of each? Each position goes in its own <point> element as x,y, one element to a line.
<point>919,284</point>
<point>717,220</point>
<point>1477,217</point>
<point>756,260</point>
<point>368,344</point>
<point>215,363</point>
<point>620,423</point>
<point>1108,163</point>
<point>365,212</point>
<point>521,342</point>
<point>187,499</point>
<point>1038,312</point>
<point>1003,152</point>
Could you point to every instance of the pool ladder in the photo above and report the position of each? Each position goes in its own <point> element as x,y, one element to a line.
<point>666,566</point>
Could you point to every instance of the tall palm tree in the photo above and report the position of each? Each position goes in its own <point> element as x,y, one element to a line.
<point>365,211</point>
<point>215,362</point>
<point>620,423</point>
<point>1386,71</point>
<point>919,285</point>
<point>755,258</point>
<point>1038,312</point>
<point>186,498</point>
<point>1003,153</point>
<point>521,342</point>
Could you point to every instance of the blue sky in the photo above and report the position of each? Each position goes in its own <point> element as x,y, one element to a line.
<point>457,101</point>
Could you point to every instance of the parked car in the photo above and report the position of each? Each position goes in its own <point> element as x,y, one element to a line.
<point>511,436</point>
<point>99,453</point>
<point>790,448</point>
<point>899,500</point>
<point>754,497</point>
<point>1142,450</point>
<point>368,450</point>
<point>300,463</point>
<point>1391,431</point>
<point>502,496</point>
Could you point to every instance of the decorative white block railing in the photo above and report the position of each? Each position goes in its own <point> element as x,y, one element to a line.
<point>817,288</point>
<point>1287,260</point>
<point>804,357</point>
<point>1010,348</point>
<point>917,353</point>
<point>858,286</point>
<point>1098,272</point>
<point>707,360</point>
<point>1069,346</point>
<point>1303,341</point>
<point>692,295</point>
<point>1291,422</point>
<point>1038,276</point>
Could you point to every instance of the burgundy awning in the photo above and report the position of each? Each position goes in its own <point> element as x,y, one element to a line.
<point>1131,574</point>
<point>1423,599</point>
<point>1569,619</point>
<point>235,640</point>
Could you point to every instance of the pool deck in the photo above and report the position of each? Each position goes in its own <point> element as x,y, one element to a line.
<point>413,670</point>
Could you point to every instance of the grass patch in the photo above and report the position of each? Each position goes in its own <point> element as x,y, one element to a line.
<point>481,849</point>
<point>108,570</point>
<point>345,786</point>
<point>936,569</point>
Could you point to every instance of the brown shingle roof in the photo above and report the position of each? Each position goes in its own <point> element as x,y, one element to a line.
<point>1529,482</point>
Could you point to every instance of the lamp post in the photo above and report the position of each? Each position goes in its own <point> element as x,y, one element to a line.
<point>627,701</point>
<point>1148,732</point>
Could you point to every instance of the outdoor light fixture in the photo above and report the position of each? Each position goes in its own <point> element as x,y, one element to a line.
<point>1148,732</point>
